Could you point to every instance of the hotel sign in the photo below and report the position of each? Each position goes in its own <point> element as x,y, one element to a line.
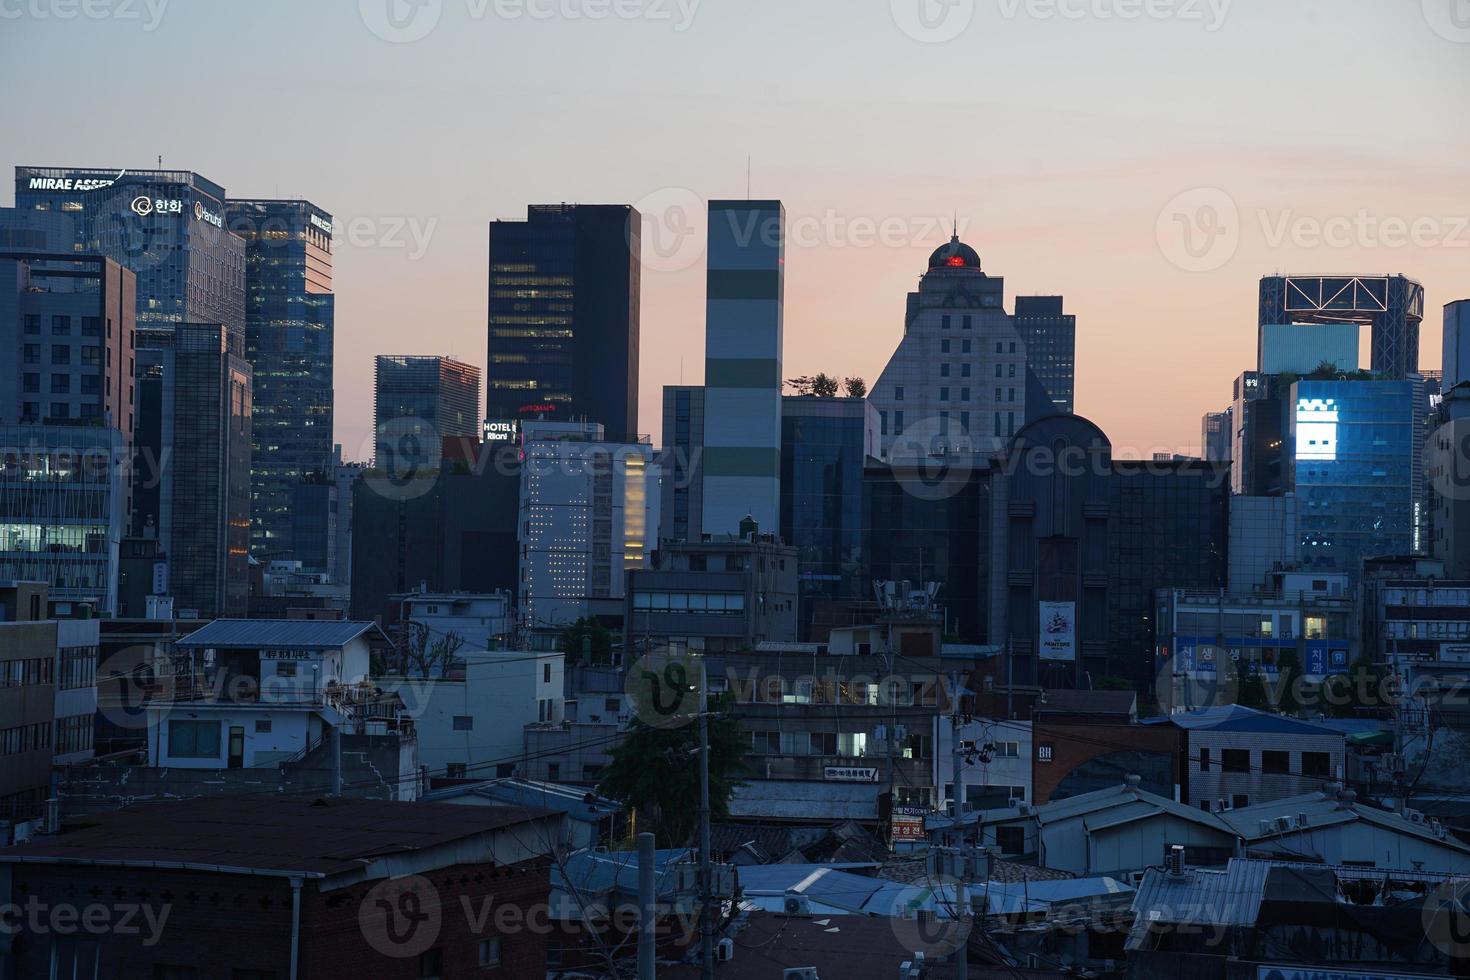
<point>502,430</point>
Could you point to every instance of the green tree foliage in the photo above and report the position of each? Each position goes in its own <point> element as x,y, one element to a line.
<point>587,638</point>
<point>655,771</point>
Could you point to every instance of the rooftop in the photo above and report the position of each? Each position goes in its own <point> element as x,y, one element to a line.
<point>288,634</point>
<point>269,834</point>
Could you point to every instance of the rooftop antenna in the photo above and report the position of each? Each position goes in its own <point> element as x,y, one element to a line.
<point>160,161</point>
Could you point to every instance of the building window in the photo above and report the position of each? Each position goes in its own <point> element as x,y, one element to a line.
<point>546,673</point>
<point>1317,764</point>
<point>898,393</point>
<point>464,723</point>
<point>31,354</point>
<point>262,726</point>
<point>1240,801</point>
<point>944,347</point>
<point>60,354</point>
<point>33,323</point>
<point>1235,760</point>
<point>1276,763</point>
<point>968,323</point>
<point>91,326</point>
<point>455,770</point>
<point>285,668</point>
<point>32,383</point>
<point>944,394</point>
<point>1011,840</point>
<point>490,952</point>
<point>964,347</point>
<point>1204,760</point>
<point>965,370</point>
<point>60,326</point>
<point>431,964</point>
<point>944,369</point>
<point>945,322</point>
<point>91,355</point>
<point>193,739</point>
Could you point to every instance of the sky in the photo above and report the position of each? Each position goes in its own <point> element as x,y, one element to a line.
<point>1148,159</point>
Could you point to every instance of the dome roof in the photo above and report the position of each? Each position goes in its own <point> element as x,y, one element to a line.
<point>955,255</point>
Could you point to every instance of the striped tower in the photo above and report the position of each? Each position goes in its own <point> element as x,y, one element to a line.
<point>742,371</point>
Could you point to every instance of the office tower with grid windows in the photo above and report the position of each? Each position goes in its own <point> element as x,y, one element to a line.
<point>418,402</point>
<point>564,317</point>
<point>1050,336</point>
<point>167,226</point>
<point>289,309</point>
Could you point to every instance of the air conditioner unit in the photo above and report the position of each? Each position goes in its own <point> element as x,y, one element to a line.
<point>797,904</point>
<point>725,950</point>
<point>800,973</point>
<point>1283,824</point>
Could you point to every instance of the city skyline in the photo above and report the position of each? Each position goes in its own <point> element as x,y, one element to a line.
<point>413,202</point>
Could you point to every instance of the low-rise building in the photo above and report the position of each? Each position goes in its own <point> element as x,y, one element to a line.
<point>281,886</point>
<point>470,719</point>
<point>715,595</point>
<point>1236,757</point>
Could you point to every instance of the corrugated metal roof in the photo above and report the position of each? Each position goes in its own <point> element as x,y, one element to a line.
<point>595,872</point>
<point>1013,898</point>
<point>804,800</point>
<point>1102,800</point>
<point>1236,718</point>
<point>293,634</point>
<point>1201,898</point>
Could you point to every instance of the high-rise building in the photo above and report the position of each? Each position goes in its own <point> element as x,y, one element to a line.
<point>1050,336</point>
<point>168,226</point>
<point>588,512</point>
<point>1393,306</point>
<point>418,402</point>
<point>1447,463</point>
<point>825,446</point>
<point>289,342</point>
<point>67,322</point>
<point>1216,435</point>
<point>1300,348</point>
<point>564,317</point>
<point>1259,425</point>
<point>745,295</point>
<point>191,482</point>
<point>1353,453</point>
<point>64,509</point>
<point>681,505</point>
<point>958,382</point>
<point>1456,344</point>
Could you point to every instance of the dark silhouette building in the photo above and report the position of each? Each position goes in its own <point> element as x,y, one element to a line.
<point>564,317</point>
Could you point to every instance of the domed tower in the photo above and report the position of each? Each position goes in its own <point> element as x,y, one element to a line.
<point>954,256</point>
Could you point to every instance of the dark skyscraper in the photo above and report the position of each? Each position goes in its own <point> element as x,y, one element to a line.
<point>417,403</point>
<point>168,226</point>
<point>1051,348</point>
<point>192,484</point>
<point>289,343</point>
<point>563,317</point>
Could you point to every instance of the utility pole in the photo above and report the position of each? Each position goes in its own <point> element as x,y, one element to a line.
<point>960,852</point>
<point>647,902</point>
<point>706,922</point>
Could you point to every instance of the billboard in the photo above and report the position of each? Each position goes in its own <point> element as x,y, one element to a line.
<point>1058,631</point>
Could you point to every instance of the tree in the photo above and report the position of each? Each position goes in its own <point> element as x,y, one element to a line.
<point>655,771</point>
<point>856,387</point>
<point>815,386</point>
<point>590,637</point>
<point>425,655</point>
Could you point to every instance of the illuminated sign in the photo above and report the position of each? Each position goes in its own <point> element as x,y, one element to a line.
<point>1316,429</point>
<point>537,409</point>
<point>201,213</point>
<point>906,823</point>
<point>321,224</point>
<point>497,430</point>
<point>143,206</point>
<point>73,183</point>
<point>835,774</point>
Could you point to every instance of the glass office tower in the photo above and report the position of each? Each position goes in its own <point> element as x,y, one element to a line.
<point>564,317</point>
<point>825,443</point>
<point>417,403</point>
<point>1050,335</point>
<point>1354,450</point>
<point>168,226</point>
<point>289,343</point>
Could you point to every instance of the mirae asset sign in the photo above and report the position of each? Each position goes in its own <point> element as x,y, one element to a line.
<point>73,183</point>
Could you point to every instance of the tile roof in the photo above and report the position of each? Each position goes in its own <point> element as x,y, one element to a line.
<point>268,834</point>
<point>295,634</point>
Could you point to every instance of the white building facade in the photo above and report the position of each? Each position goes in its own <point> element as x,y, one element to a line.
<point>957,382</point>
<point>588,515</point>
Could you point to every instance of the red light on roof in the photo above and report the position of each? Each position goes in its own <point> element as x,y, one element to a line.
<point>957,260</point>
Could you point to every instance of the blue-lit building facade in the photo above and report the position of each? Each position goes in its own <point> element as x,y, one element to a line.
<point>289,310</point>
<point>825,443</point>
<point>1354,451</point>
<point>167,226</point>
